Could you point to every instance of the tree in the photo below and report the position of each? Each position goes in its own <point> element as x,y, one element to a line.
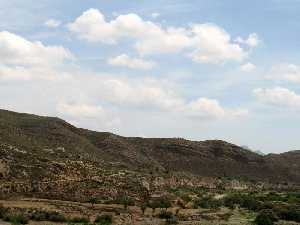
<point>144,207</point>
<point>266,217</point>
<point>126,201</point>
<point>93,201</point>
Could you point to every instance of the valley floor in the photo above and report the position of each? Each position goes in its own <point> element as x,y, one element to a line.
<point>131,215</point>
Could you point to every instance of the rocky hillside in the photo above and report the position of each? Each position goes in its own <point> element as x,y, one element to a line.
<point>42,153</point>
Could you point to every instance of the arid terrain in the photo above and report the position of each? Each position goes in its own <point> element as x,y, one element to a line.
<point>52,172</point>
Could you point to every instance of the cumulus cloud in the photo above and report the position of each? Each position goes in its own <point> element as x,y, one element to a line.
<point>133,63</point>
<point>140,93</point>
<point>52,23</point>
<point>19,73</point>
<point>104,94</point>
<point>155,15</point>
<point>152,95</point>
<point>22,59</point>
<point>248,67</point>
<point>252,41</point>
<point>205,108</point>
<point>204,43</point>
<point>79,113</point>
<point>285,72</point>
<point>213,45</point>
<point>80,110</point>
<point>16,50</point>
<point>278,96</point>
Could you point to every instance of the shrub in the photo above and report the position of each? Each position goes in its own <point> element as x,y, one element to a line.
<point>290,214</point>
<point>225,216</point>
<point>16,219</point>
<point>208,203</point>
<point>39,216</point>
<point>162,203</point>
<point>144,207</point>
<point>125,201</point>
<point>104,219</point>
<point>171,220</point>
<point>165,214</point>
<point>245,201</point>
<point>3,211</point>
<point>266,217</point>
<point>80,220</point>
<point>93,201</point>
<point>250,203</point>
<point>263,220</point>
<point>56,217</point>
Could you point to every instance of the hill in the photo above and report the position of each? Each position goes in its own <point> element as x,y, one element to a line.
<point>47,157</point>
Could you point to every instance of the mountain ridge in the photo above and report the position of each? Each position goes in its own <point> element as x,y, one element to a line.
<point>38,149</point>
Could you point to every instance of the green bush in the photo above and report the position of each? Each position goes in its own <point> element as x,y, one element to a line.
<point>290,214</point>
<point>266,217</point>
<point>243,200</point>
<point>93,201</point>
<point>207,203</point>
<point>83,220</point>
<point>162,203</point>
<point>16,219</point>
<point>165,214</point>
<point>56,217</point>
<point>39,216</point>
<point>3,211</point>
<point>103,219</point>
<point>172,220</point>
<point>125,201</point>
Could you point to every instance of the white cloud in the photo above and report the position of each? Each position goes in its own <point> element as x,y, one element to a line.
<point>278,96</point>
<point>72,96</point>
<point>15,73</point>
<point>80,110</point>
<point>248,67</point>
<point>285,72</point>
<point>80,113</point>
<point>133,63</point>
<point>147,94</point>
<point>155,15</point>
<point>141,93</point>
<point>52,23</point>
<point>213,45</point>
<point>15,50</point>
<point>204,43</point>
<point>205,108</point>
<point>22,59</point>
<point>252,41</point>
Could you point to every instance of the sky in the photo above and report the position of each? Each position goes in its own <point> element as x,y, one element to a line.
<point>198,69</point>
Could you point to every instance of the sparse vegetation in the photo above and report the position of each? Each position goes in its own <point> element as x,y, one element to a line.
<point>16,219</point>
<point>83,220</point>
<point>266,217</point>
<point>93,201</point>
<point>103,220</point>
<point>41,154</point>
<point>2,211</point>
<point>161,203</point>
<point>207,203</point>
<point>56,217</point>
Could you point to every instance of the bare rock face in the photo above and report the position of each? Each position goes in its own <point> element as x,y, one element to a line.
<point>47,157</point>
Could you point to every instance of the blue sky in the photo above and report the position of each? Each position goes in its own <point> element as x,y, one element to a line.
<point>195,69</point>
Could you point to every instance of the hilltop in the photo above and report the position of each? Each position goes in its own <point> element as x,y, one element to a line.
<point>48,157</point>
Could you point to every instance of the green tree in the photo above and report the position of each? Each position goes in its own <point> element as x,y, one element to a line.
<point>93,201</point>
<point>266,217</point>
